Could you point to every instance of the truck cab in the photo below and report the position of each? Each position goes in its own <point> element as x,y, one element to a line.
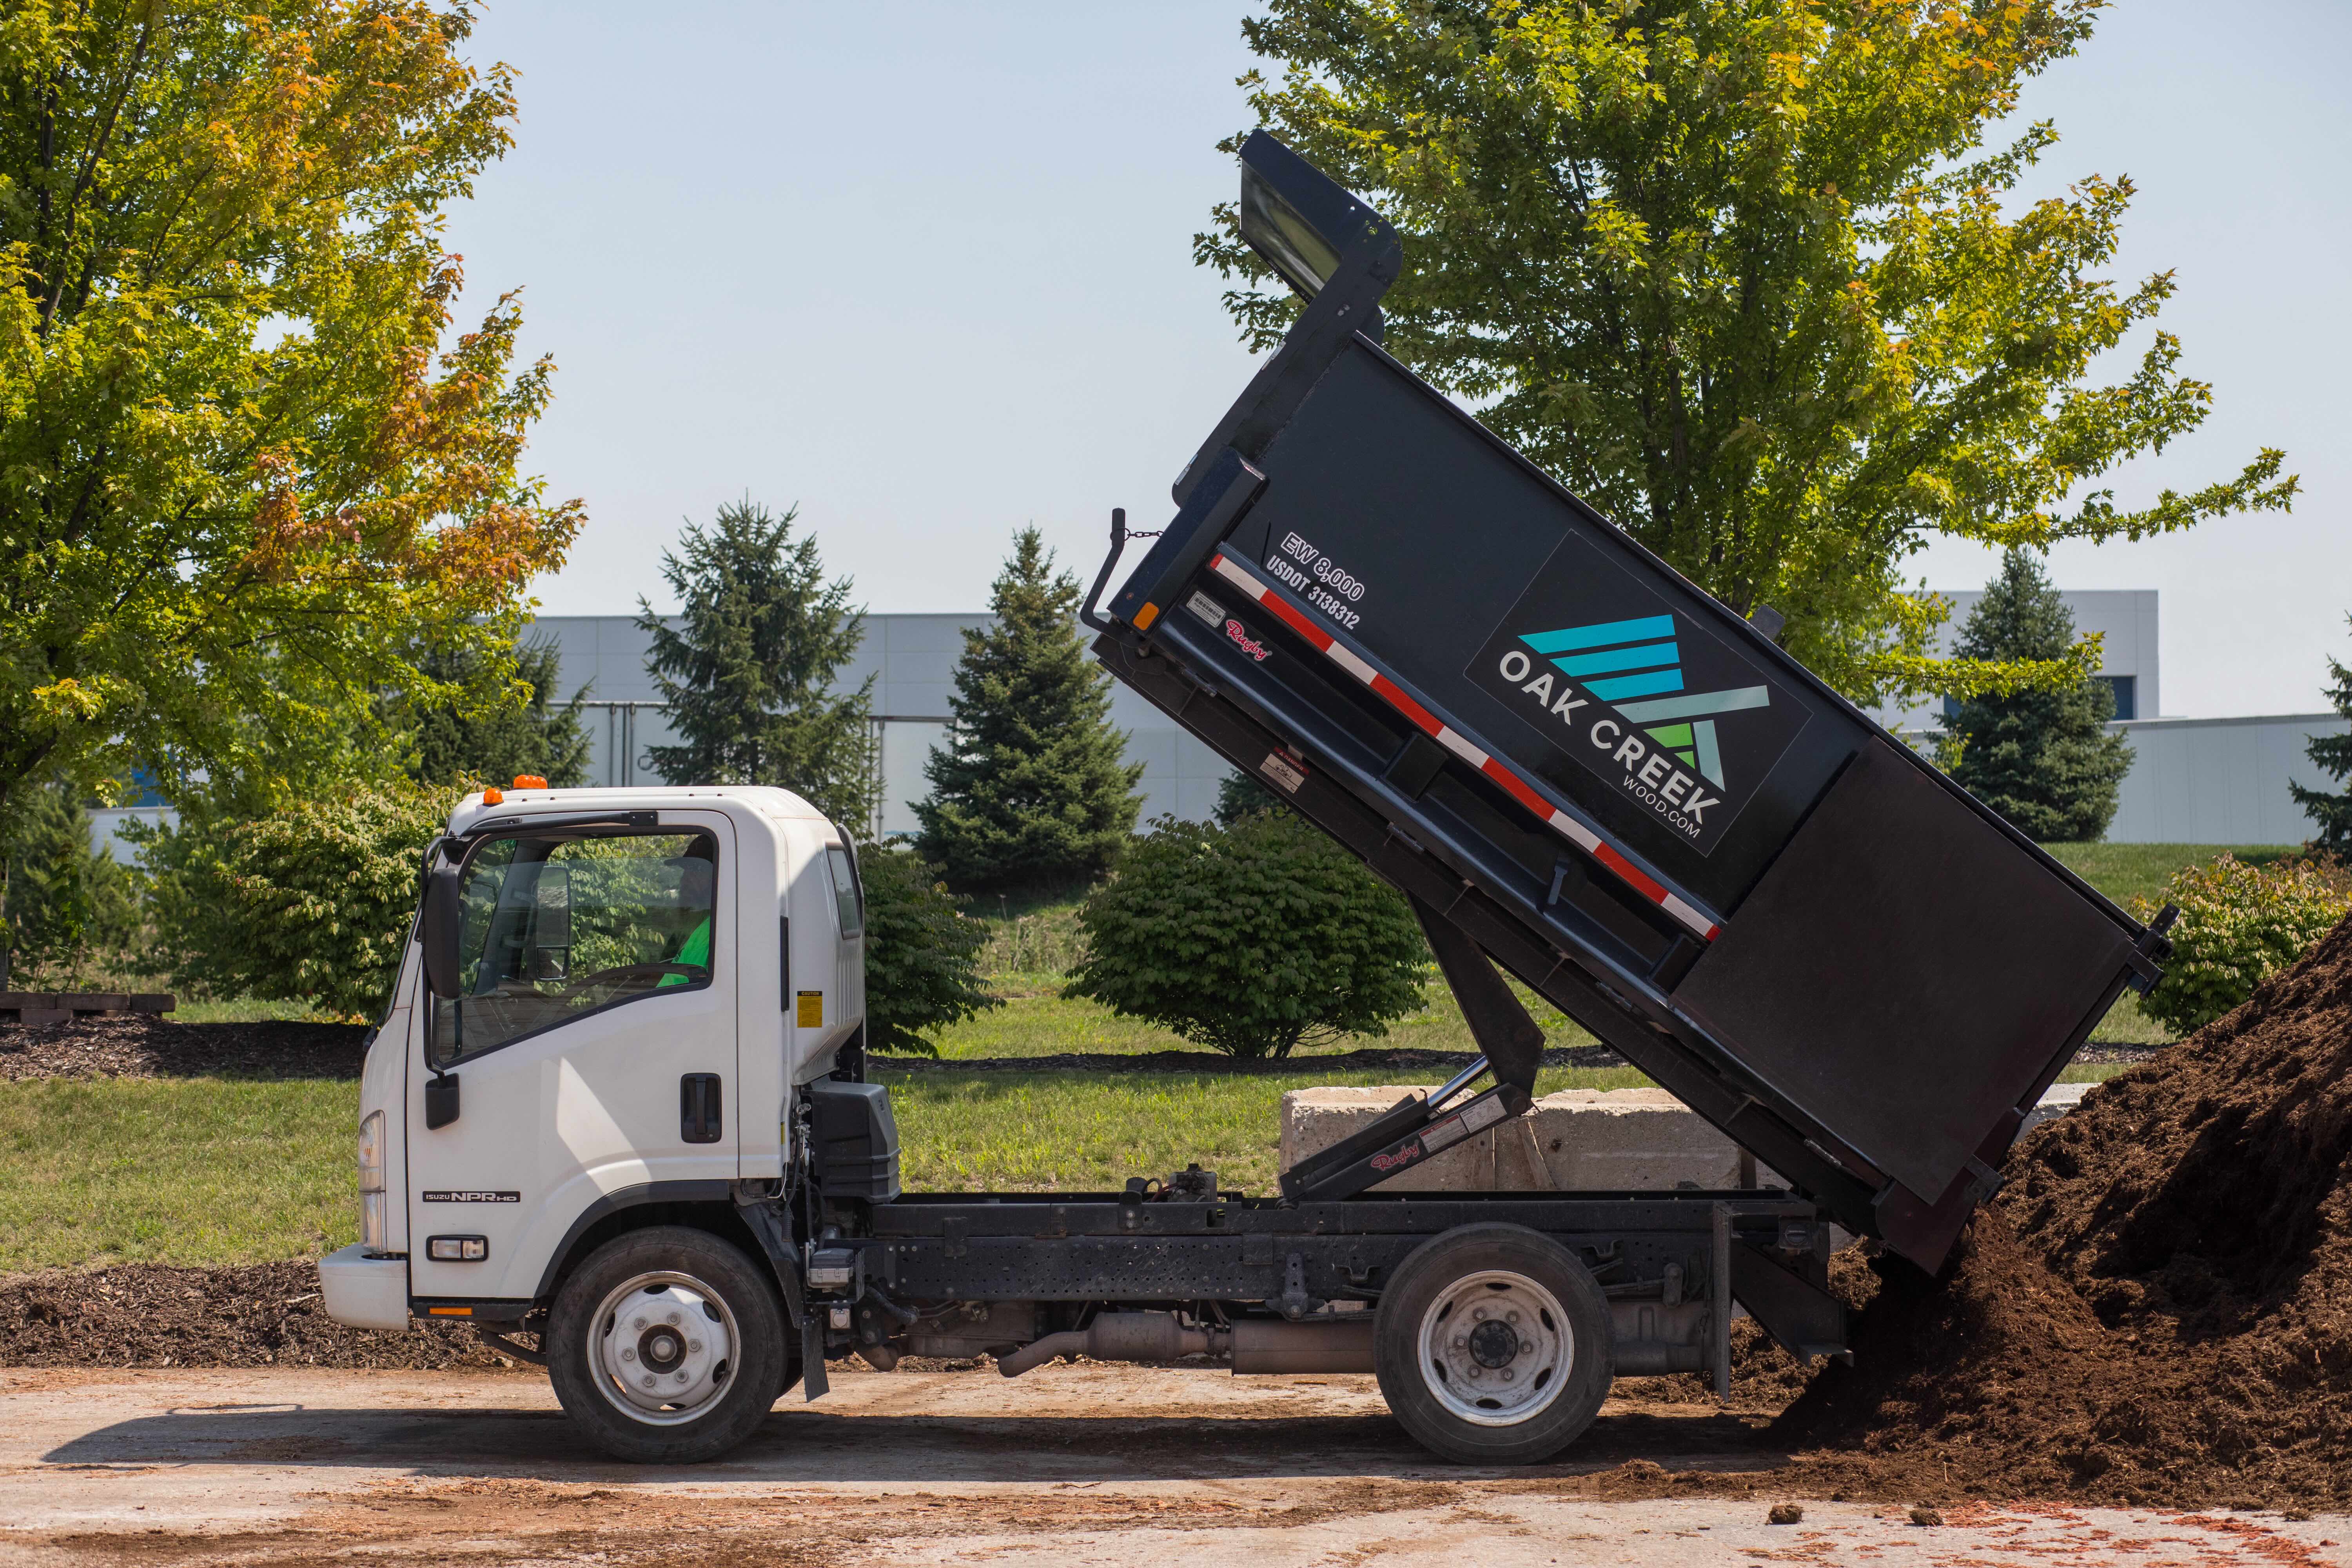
<point>641,979</point>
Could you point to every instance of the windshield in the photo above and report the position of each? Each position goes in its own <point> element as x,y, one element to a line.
<point>555,927</point>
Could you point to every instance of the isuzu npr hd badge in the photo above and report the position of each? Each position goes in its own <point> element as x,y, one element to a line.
<point>1653,703</point>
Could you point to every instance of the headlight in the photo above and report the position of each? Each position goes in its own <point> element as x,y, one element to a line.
<point>372,1151</point>
<point>372,1198</point>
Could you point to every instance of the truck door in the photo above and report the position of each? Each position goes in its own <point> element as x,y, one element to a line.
<point>593,1043</point>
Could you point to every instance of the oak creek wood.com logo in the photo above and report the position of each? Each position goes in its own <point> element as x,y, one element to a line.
<point>1663,710</point>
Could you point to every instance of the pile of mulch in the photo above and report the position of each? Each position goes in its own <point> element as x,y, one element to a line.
<point>262,1314</point>
<point>144,1045</point>
<point>2158,1308</point>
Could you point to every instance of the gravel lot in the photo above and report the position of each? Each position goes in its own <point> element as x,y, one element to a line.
<point>1069,1464</point>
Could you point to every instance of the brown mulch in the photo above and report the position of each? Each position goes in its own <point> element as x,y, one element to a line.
<point>261,1314</point>
<point>2158,1308</point>
<point>140,1045</point>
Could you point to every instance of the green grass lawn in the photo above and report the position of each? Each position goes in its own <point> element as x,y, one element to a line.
<point>195,1171</point>
<point>1060,1132</point>
<point>2128,871</point>
<point>1037,1020</point>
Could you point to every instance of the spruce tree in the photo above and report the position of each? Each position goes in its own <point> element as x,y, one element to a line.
<point>2042,757</point>
<point>749,669</point>
<point>2333,813</point>
<point>1239,795</point>
<point>1034,791</point>
<point>493,735</point>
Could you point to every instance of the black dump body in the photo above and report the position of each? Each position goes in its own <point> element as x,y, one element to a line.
<point>1624,793</point>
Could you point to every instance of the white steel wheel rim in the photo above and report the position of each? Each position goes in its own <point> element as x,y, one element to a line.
<point>663,1346</point>
<point>1496,1348</point>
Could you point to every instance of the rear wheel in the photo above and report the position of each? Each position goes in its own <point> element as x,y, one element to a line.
<point>667,1346</point>
<point>1493,1347</point>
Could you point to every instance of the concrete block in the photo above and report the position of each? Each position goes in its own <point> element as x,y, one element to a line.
<point>1579,1140</point>
<point>1640,1140</point>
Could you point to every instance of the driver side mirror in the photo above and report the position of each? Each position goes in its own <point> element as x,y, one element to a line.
<point>438,928</point>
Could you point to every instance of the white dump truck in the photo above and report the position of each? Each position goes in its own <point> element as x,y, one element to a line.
<point>617,1113</point>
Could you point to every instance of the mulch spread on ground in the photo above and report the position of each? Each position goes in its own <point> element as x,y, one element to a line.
<point>262,1314</point>
<point>136,1046</point>
<point>2158,1308</point>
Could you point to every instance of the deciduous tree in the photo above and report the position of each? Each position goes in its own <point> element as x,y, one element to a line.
<point>492,729</point>
<point>1745,274</point>
<point>242,475</point>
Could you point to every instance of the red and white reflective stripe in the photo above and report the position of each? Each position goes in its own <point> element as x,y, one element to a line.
<point>1519,789</point>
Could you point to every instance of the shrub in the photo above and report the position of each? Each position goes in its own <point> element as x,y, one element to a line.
<point>310,903</point>
<point>922,952</point>
<point>2239,925</point>
<point>1253,939</point>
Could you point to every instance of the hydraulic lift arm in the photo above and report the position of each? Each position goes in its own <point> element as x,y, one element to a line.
<point>1413,1129</point>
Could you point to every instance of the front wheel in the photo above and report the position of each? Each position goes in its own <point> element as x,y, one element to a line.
<point>667,1346</point>
<point>1493,1346</point>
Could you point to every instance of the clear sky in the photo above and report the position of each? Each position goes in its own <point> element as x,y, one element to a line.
<point>924,270</point>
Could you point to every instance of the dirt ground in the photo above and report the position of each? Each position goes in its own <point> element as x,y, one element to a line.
<point>276,1466</point>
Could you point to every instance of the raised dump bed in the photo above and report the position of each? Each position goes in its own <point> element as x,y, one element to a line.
<point>1623,792</point>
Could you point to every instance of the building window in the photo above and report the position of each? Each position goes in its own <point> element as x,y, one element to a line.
<point>2126,694</point>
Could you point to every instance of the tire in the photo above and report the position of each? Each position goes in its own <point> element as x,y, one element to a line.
<point>709,1389</point>
<point>1528,1380</point>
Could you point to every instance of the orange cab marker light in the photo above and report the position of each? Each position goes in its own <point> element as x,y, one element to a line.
<point>529,780</point>
<point>494,797</point>
<point>451,1311</point>
<point>1145,616</point>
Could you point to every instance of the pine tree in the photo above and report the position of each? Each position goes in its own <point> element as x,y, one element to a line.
<point>60,900</point>
<point>2334,756</point>
<point>494,736</point>
<point>749,670</point>
<point>1034,791</point>
<point>2041,757</point>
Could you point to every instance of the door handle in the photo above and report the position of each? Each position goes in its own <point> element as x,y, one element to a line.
<point>697,1107</point>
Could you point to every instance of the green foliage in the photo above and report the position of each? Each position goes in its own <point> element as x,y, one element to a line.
<point>491,728</point>
<point>1743,273</point>
<point>241,478</point>
<point>1252,939</point>
<point>749,670</point>
<point>2239,925</point>
<point>1035,791</point>
<point>61,903</point>
<point>309,902</point>
<point>2333,813</point>
<point>922,953</point>
<point>2040,756</point>
<point>1239,795</point>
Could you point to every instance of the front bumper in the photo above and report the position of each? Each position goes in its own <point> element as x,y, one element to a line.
<point>364,1292</point>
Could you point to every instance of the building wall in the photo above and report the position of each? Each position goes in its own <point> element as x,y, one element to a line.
<point>2220,781</point>
<point>2192,781</point>
<point>912,659</point>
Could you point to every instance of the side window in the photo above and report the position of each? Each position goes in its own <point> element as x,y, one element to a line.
<point>558,926</point>
<point>848,898</point>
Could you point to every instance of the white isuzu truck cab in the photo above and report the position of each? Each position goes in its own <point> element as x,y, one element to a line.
<point>642,978</point>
